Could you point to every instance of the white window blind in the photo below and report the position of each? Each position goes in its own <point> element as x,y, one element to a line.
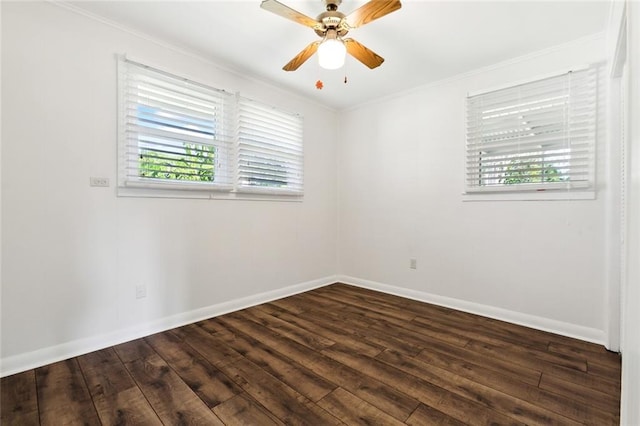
<point>174,133</point>
<point>270,154</point>
<point>533,136</point>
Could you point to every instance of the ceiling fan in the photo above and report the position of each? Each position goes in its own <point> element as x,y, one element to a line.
<point>332,25</point>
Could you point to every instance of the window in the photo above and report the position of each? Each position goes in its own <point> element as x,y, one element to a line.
<point>269,149</point>
<point>176,135</point>
<point>536,136</point>
<point>173,132</point>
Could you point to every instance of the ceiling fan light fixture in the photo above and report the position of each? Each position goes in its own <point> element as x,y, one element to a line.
<point>331,53</point>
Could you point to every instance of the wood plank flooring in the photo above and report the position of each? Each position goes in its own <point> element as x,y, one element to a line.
<point>335,355</point>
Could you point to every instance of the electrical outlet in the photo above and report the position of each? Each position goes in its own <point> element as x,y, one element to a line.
<point>99,181</point>
<point>413,263</point>
<point>141,291</point>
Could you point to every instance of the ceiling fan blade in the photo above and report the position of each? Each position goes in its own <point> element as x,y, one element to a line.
<point>363,54</point>
<point>301,57</point>
<point>286,12</point>
<point>371,11</point>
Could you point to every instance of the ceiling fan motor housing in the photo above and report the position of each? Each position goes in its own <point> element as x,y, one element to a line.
<point>331,20</point>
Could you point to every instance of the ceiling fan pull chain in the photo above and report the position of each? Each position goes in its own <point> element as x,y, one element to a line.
<point>346,65</point>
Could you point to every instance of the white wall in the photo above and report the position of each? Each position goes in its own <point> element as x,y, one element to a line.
<point>72,255</point>
<point>401,159</point>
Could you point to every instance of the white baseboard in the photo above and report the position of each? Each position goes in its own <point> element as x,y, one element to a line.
<point>26,361</point>
<point>545,324</point>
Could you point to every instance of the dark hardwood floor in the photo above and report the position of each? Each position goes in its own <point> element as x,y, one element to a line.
<point>335,355</point>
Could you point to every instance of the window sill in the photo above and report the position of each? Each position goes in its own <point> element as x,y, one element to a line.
<point>141,192</point>
<point>529,196</point>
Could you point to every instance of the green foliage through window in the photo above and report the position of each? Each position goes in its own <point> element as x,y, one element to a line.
<point>189,163</point>
<point>518,172</point>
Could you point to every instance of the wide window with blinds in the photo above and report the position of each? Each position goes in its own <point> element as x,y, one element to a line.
<point>176,134</point>
<point>269,149</point>
<point>536,136</point>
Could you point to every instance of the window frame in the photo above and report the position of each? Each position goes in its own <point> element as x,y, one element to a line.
<point>130,185</point>
<point>533,156</point>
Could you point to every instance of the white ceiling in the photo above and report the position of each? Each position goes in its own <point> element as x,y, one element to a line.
<point>423,42</point>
